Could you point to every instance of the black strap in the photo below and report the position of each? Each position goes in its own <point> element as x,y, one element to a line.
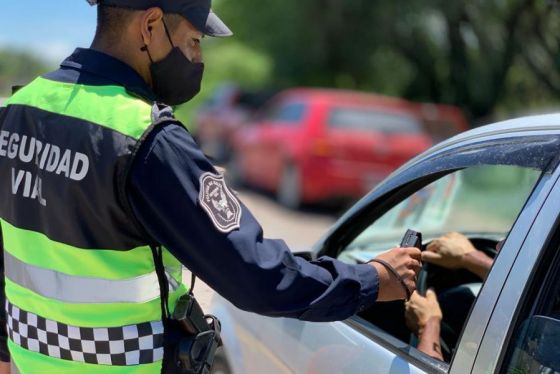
<point>157,253</point>
<point>396,274</point>
<point>193,279</point>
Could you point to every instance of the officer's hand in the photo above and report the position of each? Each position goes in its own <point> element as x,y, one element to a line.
<point>448,251</point>
<point>4,367</point>
<point>419,310</point>
<point>406,261</point>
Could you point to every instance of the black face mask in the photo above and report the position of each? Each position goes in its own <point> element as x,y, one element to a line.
<point>175,79</point>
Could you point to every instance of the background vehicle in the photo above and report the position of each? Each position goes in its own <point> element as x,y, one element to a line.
<point>311,145</point>
<point>441,121</point>
<point>500,181</point>
<point>216,121</point>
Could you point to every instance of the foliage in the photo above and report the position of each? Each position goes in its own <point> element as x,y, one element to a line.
<point>540,49</point>
<point>226,60</point>
<point>18,68</point>
<point>473,53</point>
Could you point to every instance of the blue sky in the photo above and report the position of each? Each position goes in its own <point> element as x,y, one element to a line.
<point>50,29</point>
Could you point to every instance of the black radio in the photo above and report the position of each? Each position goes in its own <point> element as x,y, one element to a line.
<point>201,337</point>
<point>189,315</point>
<point>412,239</point>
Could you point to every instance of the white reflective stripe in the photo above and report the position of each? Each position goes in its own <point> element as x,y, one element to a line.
<point>13,368</point>
<point>83,290</point>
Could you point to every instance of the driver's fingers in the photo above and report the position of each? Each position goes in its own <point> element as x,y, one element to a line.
<point>431,294</point>
<point>431,256</point>
<point>433,246</point>
<point>413,297</point>
<point>415,253</point>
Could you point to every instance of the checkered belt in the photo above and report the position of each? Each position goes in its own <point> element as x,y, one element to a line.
<point>117,346</point>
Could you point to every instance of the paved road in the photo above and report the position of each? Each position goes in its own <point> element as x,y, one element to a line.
<point>299,229</point>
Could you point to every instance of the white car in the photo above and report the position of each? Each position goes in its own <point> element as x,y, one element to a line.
<point>495,182</point>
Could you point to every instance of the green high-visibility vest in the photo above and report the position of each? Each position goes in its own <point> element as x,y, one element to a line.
<point>82,293</point>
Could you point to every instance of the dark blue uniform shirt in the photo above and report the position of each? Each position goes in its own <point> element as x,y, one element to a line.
<point>255,274</point>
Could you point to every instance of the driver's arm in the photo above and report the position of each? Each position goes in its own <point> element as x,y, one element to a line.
<point>455,251</point>
<point>429,339</point>
<point>423,317</point>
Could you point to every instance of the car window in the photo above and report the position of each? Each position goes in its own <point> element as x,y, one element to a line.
<point>482,203</point>
<point>536,347</point>
<point>483,200</point>
<point>370,120</point>
<point>290,113</point>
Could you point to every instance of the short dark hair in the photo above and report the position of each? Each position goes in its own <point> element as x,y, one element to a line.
<point>112,21</point>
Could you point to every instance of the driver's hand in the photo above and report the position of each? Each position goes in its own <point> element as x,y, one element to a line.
<point>448,250</point>
<point>419,310</point>
<point>406,261</point>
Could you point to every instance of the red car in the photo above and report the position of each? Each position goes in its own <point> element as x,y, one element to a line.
<point>441,121</point>
<point>312,145</point>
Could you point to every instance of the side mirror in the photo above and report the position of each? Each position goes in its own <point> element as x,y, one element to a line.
<point>536,346</point>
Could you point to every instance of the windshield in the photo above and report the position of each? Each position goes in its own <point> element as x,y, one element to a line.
<point>482,200</point>
<point>371,120</point>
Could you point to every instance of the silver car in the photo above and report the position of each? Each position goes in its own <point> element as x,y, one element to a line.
<point>491,183</point>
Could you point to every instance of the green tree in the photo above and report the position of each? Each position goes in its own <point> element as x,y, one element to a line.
<point>462,51</point>
<point>226,60</point>
<point>18,68</point>
<point>540,51</point>
<point>471,53</point>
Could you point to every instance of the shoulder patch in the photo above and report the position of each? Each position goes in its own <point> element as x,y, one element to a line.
<point>219,203</point>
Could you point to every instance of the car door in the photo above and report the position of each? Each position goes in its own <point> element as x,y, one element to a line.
<point>508,171</point>
<point>266,142</point>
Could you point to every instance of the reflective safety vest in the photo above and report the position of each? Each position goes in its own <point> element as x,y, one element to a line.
<point>82,293</point>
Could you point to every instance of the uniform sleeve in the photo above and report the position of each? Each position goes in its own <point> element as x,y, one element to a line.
<point>4,354</point>
<point>255,274</point>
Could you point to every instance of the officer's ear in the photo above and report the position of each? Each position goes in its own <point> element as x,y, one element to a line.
<point>151,19</point>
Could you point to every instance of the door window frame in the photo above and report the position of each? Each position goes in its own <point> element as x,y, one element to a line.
<point>402,349</point>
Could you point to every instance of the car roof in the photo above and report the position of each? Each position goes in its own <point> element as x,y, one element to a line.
<point>392,104</point>
<point>344,96</point>
<point>527,125</point>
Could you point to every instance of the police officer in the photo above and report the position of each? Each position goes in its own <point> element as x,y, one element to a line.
<point>101,189</point>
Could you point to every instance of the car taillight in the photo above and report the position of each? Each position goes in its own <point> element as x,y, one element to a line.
<point>320,147</point>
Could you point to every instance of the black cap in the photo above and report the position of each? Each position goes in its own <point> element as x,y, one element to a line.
<point>197,12</point>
